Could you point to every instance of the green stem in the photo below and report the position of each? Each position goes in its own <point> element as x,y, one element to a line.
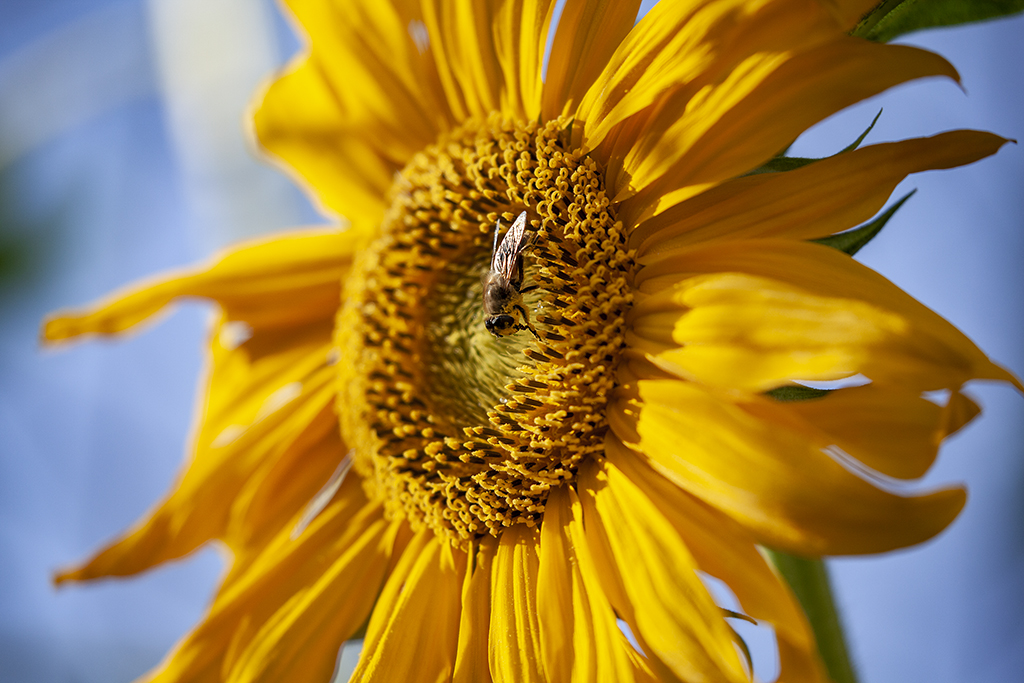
<point>809,581</point>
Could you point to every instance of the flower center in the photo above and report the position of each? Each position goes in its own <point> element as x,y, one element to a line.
<point>452,426</point>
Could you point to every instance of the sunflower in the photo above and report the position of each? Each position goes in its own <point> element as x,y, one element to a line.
<point>502,507</point>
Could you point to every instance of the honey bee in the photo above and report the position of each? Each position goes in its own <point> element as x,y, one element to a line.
<point>503,284</point>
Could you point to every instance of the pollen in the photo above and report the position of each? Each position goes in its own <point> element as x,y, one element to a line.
<point>453,428</point>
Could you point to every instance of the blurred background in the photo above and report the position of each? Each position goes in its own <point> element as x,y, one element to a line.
<point>123,153</point>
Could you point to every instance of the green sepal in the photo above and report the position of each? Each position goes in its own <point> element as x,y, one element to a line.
<point>796,392</point>
<point>852,241</point>
<point>856,143</point>
<point>894,18</point>
<point>743,647</point>
<point>782,163</point>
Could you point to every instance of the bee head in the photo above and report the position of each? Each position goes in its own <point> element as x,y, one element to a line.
<point>500,325</point>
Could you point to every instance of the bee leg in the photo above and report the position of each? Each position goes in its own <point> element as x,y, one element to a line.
<point>530,328</point>
<point>525,325</point>
<point>524,290</point>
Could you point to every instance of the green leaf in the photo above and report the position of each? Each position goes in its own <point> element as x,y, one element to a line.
<point>894,18</point>
<point>851,241</point>
<point>796,392</point>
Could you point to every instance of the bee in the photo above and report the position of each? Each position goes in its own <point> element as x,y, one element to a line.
<point>503,284</point>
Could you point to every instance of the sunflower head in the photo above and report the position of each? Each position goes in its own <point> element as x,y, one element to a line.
<point>550,360</point>
<point>454,427</point>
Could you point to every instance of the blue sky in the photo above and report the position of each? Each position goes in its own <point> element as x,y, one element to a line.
<point>102,182</point>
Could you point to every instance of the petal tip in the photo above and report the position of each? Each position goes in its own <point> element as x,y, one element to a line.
<point>996,372</point>
<point>62,576</point>
<point>1008,376</point>
<point>59,328</point>
<point>1000,141</point>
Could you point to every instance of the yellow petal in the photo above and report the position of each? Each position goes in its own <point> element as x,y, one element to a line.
<point>753,333</point>
<point>413,632</point>
<point>251,594</point>
<point>291,560</point>
<point>515,648</point>
<point>580,637</point>
<point>730,127</point>
<point>259,410</point>
<point>374,58</point>
<point>488,55</point>
<point>464,53</point>
<point>300,124</point>
<point>301,640</point>
<point>745,459</point>
<point>780,310</point>
<point>281,486</point>
<point>520,38</point>
<point>265,409</point>
<point>284,280</point>
<point>828,196</point>
<point>675,616</point>
<point>356,108</point>
<point>685,45</point>
<point>724,550</point>
<point>266,393</point>
<point>959,410</point>
<point>557,596</point>
<point>890,430</point>
<point>588,33</point>
<point>471,659</point>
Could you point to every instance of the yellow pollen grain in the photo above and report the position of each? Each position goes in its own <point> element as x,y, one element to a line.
<point>453,428</point>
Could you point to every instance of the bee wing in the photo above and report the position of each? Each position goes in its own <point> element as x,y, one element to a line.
<point>503,260</point>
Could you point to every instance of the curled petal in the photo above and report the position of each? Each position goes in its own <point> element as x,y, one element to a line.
<point>302,638</point>
<point>580,636</point>
<point>424,587</point>
<point>488,55</point>
<point>682,46</point>
<point>756,314</point>
<point>822,198</point>
<point>515,648</point>
<point>283,281</point>
<point>742,456</point>
<point>268,400</point>
<point>588,33</point>
<point>723,549</point>
<point>766,101</point>
<point>471,659</point>
<point>890,430</point>
<point>672,613</point>
<point>259,414</point>
<point>338,544</point>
